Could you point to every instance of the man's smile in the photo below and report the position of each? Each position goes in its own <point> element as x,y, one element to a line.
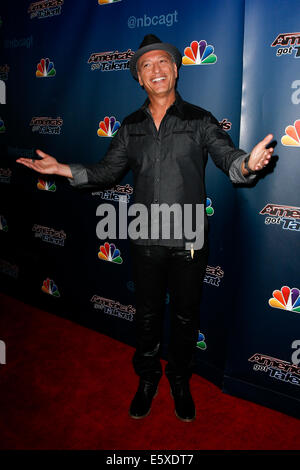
<point>158,79</point>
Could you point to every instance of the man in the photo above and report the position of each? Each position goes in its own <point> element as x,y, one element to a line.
<point>165,143</point>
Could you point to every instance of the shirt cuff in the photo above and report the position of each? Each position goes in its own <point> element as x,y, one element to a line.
<point>235,171</point>
<point>79,173</point>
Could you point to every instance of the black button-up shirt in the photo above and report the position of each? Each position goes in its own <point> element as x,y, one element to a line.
<point>168,164</point>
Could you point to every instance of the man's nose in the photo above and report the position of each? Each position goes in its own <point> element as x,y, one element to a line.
<point>156,67</point>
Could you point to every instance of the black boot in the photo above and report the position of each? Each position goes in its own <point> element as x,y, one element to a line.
<point>141,404</point>
<point>184,403</point>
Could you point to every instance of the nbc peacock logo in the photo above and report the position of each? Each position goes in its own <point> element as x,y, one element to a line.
<point>109,252</point>
<point>199,53</point>
<point>46,185</point>
<point>2,126</point>
<point>49,287</point>
<point>108,127</point>
<point>105,2</point>
<point>286,299</point>
<point>3,224</point>
<point>45,68</point>
<point>292,135</point>
<point>209,209</point>
<point>201,344</point>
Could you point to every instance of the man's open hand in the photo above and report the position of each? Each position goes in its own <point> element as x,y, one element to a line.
<point>260,156</point>
<point>46,165</point>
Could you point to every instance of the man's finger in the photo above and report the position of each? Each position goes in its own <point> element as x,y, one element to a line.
<point>26,162</point>
<point>267,139</point>
<point>23,160</point>
<point>41,154</point>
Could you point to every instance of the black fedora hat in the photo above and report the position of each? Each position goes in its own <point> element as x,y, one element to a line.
<point>152,43</point>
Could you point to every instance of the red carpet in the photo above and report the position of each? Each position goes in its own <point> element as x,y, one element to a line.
<point>67,387</point>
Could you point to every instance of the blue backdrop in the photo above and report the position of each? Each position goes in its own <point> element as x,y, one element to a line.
<point>64,68</point>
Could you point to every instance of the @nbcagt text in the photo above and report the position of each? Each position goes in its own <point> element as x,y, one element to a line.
<point>152,459</point>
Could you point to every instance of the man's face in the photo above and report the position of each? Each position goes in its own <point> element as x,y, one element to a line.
<point>157,73</point>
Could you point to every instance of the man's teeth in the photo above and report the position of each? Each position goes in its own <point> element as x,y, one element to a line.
<point>158,79</point>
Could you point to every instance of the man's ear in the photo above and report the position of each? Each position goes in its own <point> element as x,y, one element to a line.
<point>140,80</point>
<point>176,70</point>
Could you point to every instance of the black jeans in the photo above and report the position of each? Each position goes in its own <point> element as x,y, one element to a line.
<point>155,269</point>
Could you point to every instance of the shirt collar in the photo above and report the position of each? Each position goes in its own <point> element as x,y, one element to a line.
<point>177,106</point>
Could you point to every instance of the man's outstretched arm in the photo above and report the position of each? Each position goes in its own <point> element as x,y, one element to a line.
<point>103,174</point>
<point>47,165</point>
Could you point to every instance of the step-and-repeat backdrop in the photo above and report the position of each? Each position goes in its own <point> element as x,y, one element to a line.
<point>66,87</point>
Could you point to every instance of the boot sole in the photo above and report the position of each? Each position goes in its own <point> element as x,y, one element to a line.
<point>139,417</point>
<point>185,420</point>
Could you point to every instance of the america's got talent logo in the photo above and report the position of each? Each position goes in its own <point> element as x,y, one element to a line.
<point>288,217</point>
<point>287,44</point>
<point>109,61</point>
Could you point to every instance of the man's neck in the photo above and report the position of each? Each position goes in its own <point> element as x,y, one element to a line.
<point>159,105</point>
